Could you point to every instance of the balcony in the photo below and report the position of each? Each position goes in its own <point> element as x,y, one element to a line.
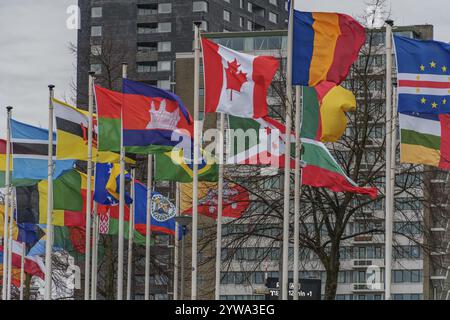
<point>361,263</point>
<point>364,287</point>
<point>363,239</point>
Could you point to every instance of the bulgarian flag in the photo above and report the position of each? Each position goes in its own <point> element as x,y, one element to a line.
<point>236,83</point>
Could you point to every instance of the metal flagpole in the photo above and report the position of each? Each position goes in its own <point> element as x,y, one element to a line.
<point>22,269</point>
<point>219,206</point>
<point>49,241</point>
<point>89,189</point>
<point>196,159</point>
<point>287,154</point>
<point>297,187</point>
<point>121,207</point>
<point>148,225</point>
<point>389,190</point>
<point>130,235</point>
<point>7,195</point>
<point>177,243</point>
<point>10,241</point>
<point>95,236</point>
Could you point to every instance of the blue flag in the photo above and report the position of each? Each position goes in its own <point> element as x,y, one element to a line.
<point>107,183</point>
<point>162,213</point>
<point>423,75</point>
<point>30,153</point>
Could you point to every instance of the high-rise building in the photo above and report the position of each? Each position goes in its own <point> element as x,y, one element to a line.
<point>146,34</point>
<point>420,253</point>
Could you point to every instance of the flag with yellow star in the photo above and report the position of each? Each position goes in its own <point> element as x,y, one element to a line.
<point>423,75</point>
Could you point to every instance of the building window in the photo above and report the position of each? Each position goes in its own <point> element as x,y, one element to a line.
<point>146,47</point>
<point>273,17</point>
<point>96,12</point>
<point>146,67</point>
<point>165,8</point>
<point>96,68</point>
<point>96,31</point>
<point>147,10</point>
<point>226,15</point>
<point>164,46</point>
<point>96,50</point>
<point>200,6</point>
<point>274,2</point>
<point>164,84</point>
<point>164,65</point>
<point>241,4</point>
<point>241,22</point>
<point>249,25</point>
<point>164,27</point>
<point>227,1</point>
<point>250,7</point>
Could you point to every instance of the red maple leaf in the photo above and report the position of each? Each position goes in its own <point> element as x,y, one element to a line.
<point>235,78</point>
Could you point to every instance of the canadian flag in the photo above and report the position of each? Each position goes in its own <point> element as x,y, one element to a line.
<point>236,83</point>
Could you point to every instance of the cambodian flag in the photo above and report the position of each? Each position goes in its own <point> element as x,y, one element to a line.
<point>154,120</point>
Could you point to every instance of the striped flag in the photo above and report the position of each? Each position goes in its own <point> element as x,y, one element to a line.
<point>30,153</point>
<point>425,139</point>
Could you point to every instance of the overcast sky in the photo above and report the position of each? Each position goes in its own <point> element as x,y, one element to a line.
<point>34,42</point>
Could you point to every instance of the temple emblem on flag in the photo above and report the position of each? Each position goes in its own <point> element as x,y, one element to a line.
<point>161,118</point>
<point>162,209</point>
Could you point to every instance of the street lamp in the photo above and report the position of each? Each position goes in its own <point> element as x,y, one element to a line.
<point>184,221</point>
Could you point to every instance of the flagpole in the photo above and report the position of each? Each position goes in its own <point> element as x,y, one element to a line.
<point>121,206</point>
<point>219,206</point>
<point>177,243</point>
<point>389,190</point>
<point>89,190</point>
<point>148,225</point>
<point>130,235</point>
<point>196,159</point>
<point>95,236</point>
<point>297,187</point>
<point>22,270</point>
<point>7,195</point>
<point>287,160</point>
<point>49,241</point>
<point>10,241</point>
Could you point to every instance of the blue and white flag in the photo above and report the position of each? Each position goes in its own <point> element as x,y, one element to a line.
<point>30,153</point>
<point>423,68</point>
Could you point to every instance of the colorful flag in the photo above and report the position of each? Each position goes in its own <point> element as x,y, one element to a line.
<point>107,183</point>
<point>174,166</point>
<point>425,139</point>
<point>327,105</point>
<point>325,47</point>
<point>30,153</point>
<point>423,75</point>
<point>22,232</point>
<point>14,182</point>
<point>69,201</point>
<point>15,273</point>
<point>236,199</point>
<point>33,265</point>
<point>72,135</point>
<point>154,119</point>
<point>259,141</point>
<point>236,83</point>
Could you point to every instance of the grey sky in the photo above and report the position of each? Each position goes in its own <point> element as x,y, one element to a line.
<point>34,43</point>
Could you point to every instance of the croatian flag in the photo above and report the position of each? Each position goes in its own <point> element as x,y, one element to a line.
<point>154,119</point>
<point>236,83</point>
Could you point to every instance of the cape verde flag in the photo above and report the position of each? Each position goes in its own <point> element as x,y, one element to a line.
<point>423,76</point>
<point>154,119</point>
<point>30,153</point>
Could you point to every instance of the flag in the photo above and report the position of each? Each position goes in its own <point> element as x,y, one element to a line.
<point>15,273</point>
<point>15,233</point>
<point>154,119</point>
<point>322,170</point>
<point>425,139</point>
<point>162,212</point>
<point>325,45</point>
<point>14,182</point>
<point>236,83</point>
<point>30,153</point>
<point>259,141</point>
<point>107,184</point>
<point>236,199</point>
<point>174,166</point>
<point>33,265</point>
<point>423,75</point>
<point>72,126</point>
<point>22,232</point>
<point>69,201</point>
<point>327,104</point>
<point>109,112</point>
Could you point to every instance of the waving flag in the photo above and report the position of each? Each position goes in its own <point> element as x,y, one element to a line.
<point>107,183</point>
<point>33,265</point>
<point>236,83</point>
<point>325,47</point>
<point>423,75</point>
<point>14,182</point>
<point>30,153</point>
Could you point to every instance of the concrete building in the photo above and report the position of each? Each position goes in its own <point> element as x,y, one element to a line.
<point>420,267</point>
